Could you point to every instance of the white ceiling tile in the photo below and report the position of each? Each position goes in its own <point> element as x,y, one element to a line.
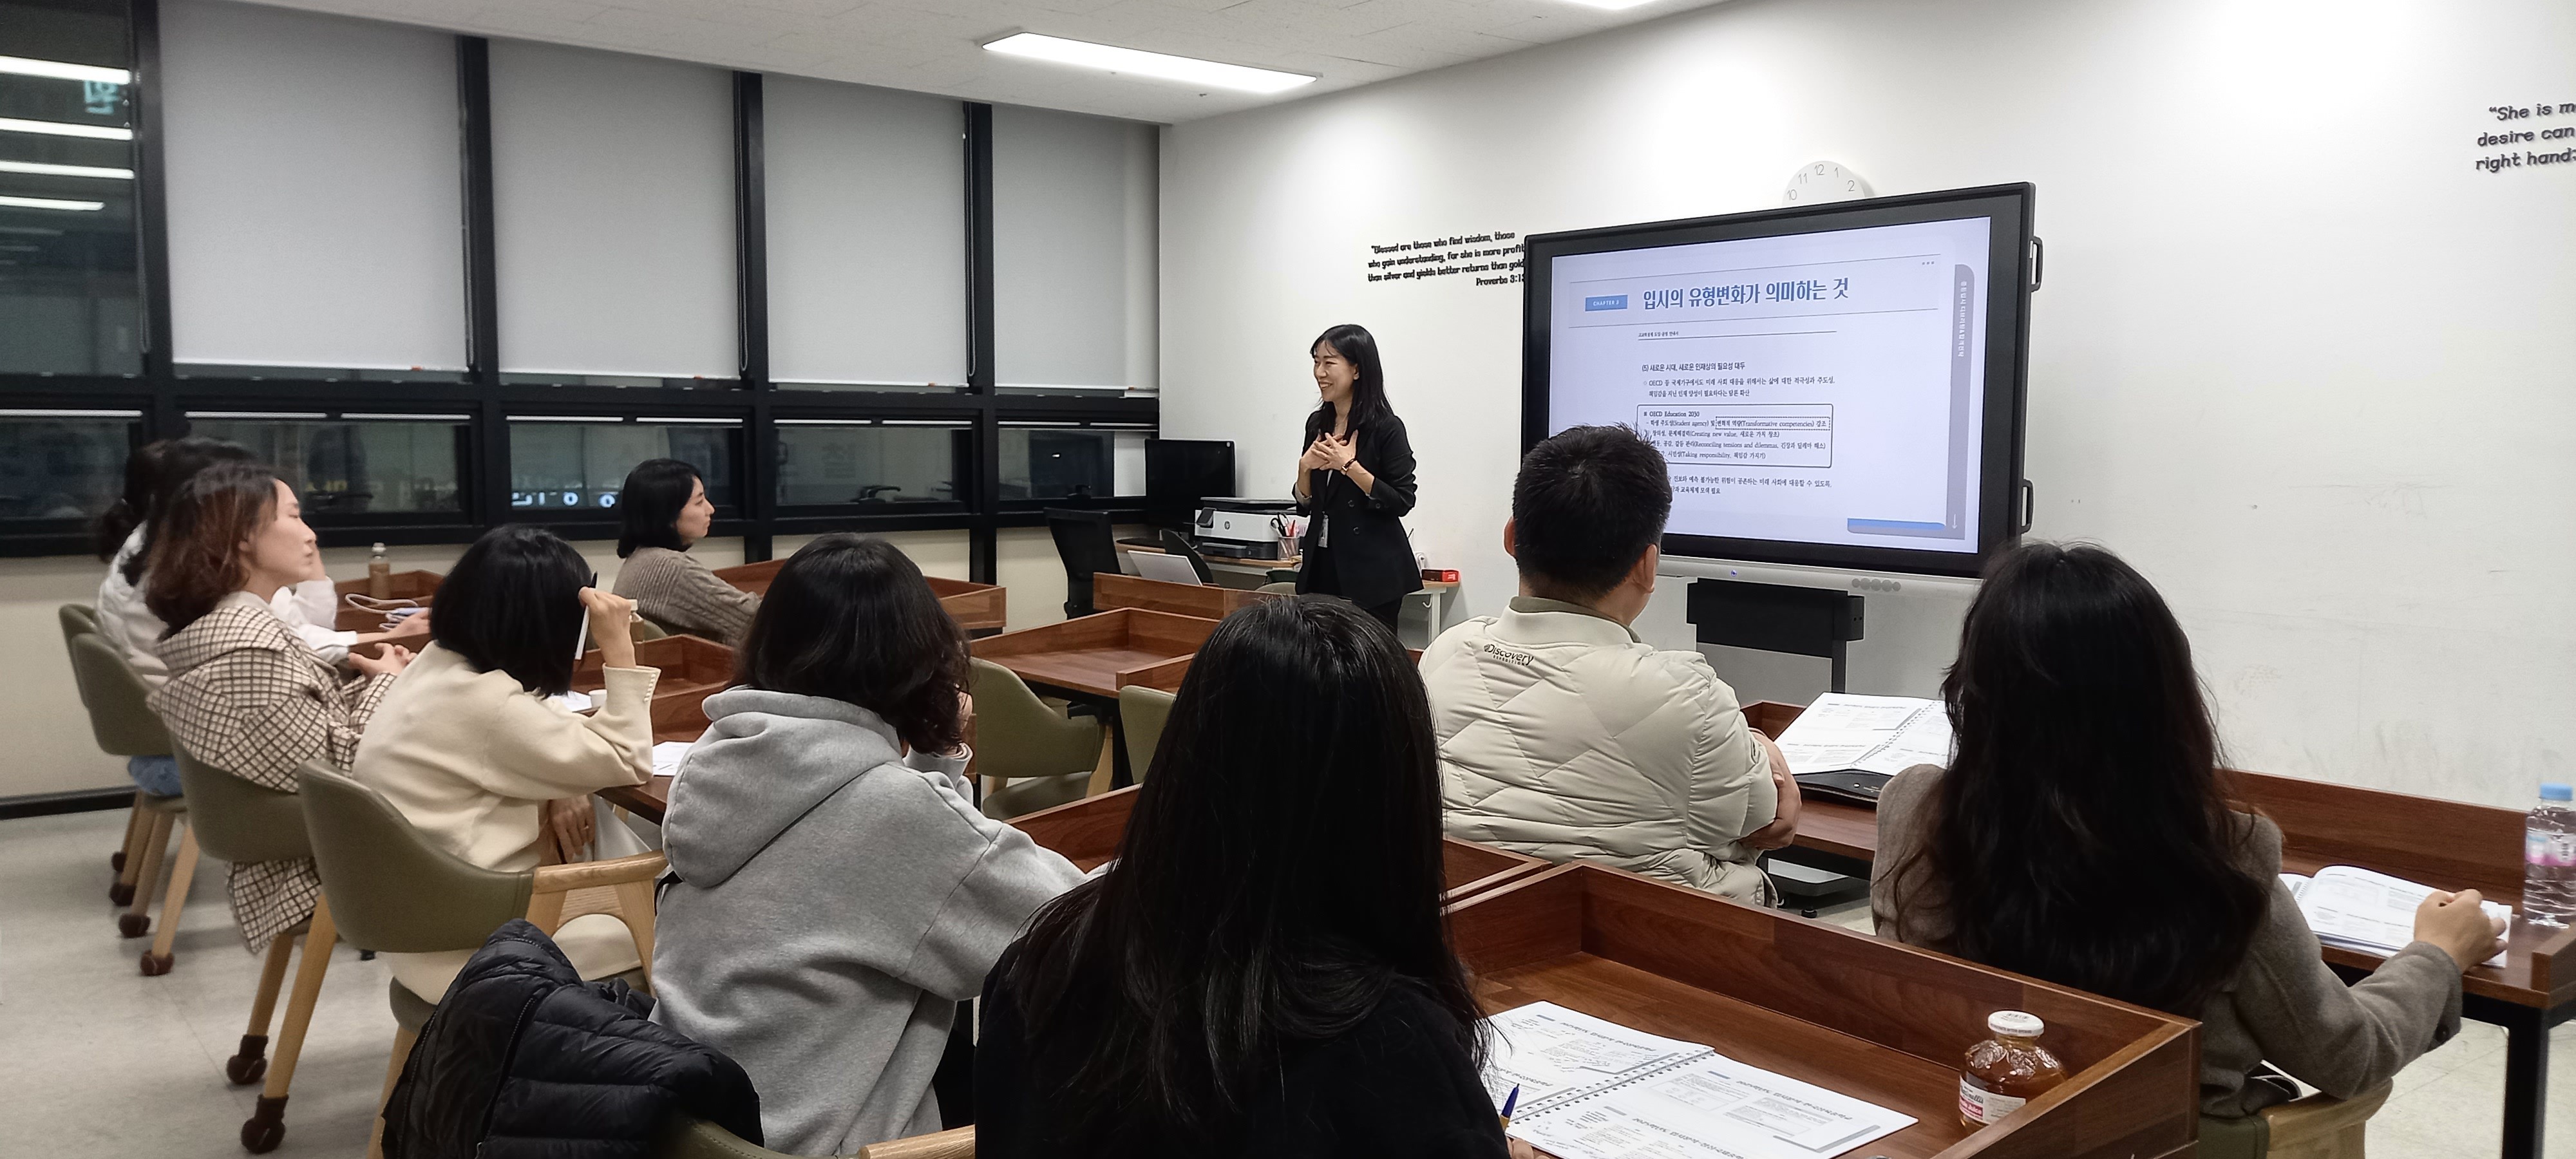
<point>937,45</point>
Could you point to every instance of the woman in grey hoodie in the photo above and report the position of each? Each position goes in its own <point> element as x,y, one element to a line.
<point>839,892</point>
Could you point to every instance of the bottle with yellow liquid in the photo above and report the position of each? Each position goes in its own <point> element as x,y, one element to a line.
<point>2007,1070</point>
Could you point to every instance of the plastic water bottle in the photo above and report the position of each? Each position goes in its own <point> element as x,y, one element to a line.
<point>2549,858</point>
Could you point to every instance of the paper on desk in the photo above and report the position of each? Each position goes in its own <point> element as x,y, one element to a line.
<point>1549,1051</point>
<point>2362,910</point>
<point>667,756</point>
<point>579,701</point>
<point>1710,1107</point>
<point>1873,734</point>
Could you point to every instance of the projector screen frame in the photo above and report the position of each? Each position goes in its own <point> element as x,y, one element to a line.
<point>2010,247</point>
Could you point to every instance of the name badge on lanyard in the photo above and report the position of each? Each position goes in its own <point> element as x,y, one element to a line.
<point>1324,531</point>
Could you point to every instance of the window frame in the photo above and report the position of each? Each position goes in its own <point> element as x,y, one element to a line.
<point>165,393</point>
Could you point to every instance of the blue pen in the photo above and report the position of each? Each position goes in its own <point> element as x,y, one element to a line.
<point>1509,1101</point>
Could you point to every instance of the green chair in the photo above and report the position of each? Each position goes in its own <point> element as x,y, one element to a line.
<point>2315,1127</point>
<point>1141,713</point>
<point>1028,756</point>
<point>689,1138</point>
<point>233,820</point>
<point>393,890</point>
<point>76,619</point>
<point>125,726</point>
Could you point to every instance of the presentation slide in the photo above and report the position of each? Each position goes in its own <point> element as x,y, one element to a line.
<point>1817,388</point>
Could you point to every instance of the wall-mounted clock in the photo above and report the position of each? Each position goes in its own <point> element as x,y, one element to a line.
<point>1817,182</point>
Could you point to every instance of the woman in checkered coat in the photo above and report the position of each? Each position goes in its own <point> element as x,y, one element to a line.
<point>245,694</point>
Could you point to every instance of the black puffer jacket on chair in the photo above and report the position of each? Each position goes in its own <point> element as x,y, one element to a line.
<point>524,1060</point>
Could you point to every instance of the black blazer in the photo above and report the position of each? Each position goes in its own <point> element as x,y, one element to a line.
<point>1369,551</point>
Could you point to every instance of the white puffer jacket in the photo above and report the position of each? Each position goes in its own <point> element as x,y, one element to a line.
<point>1564,737</point>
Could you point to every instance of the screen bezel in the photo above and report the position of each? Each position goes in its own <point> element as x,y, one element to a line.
<point>2007,368</point>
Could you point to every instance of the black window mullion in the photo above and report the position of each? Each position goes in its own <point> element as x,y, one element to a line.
<point>488,494</point>
<point>751,290</point>
<point>984,540</point>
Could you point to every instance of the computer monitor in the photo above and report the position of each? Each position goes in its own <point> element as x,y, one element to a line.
<point>1181,472</point>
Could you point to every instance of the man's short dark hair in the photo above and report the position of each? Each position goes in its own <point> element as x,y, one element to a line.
<point>513,603</point>
<point>1587,505</point>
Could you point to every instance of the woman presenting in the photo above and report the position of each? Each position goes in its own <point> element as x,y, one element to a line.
<point>1355,482</point>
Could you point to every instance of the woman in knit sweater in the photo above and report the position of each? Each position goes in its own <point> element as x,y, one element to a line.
<point>245,695</point>
<point>666,511</point>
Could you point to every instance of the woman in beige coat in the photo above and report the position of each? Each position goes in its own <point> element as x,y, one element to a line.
<point>2082,834</point>
<point>245,694</point>
<point>474,750</point>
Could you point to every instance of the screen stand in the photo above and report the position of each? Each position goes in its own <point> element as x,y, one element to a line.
<point>1777,618</point>
<point>1800,622</point>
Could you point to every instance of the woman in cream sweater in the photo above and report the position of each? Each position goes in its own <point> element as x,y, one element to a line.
<point>474,750</point>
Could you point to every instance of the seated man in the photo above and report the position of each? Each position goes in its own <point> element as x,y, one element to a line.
<point>1564,736</point>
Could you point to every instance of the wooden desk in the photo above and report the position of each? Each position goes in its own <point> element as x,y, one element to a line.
<point>1206,601</point>
<point>2444,844</point>
<point>1096,655</point>
<point>1872,1019</point>
<point>420,586</point>
<point>975,607</point>
<point>692,670</point>
<point>1087,833</point>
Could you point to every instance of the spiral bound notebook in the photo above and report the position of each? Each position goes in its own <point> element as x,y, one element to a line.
<point>1593,1089</point>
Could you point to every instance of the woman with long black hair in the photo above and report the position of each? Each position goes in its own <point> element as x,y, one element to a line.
<point>2083,834</point>
<point>1355,482</point>
<point>1264,971</point>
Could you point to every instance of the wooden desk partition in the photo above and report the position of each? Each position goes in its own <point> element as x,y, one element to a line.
<point>692,670</point>
<point>1872,1019</point>
<point>1206,601</point>
<point>1099,654</point>
<point>975,607</point>
<point>1087,833</point>
<point>403,585</point>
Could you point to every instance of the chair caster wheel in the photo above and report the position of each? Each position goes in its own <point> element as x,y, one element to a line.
<point>121,893</point>
<point>155,965</point>
<point>266,1127</point>
<point>248,1066</point>
<point>133,925</point>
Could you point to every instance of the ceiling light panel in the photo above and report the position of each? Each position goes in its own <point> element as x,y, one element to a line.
<point>65,129</point>
<point>1137,62</point>
<point>64,70</point>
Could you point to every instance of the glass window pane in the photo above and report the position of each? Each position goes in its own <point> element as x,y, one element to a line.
<point>1074,265</point>
<point>70,291</point>
<point>1072,462</point>
<point>867,231</point>
<point>580,465</point>
<point>62,468</point>
<point>313,196</point>
<point>613,213</point>
<point>344,467</point>
<point>869,464</point>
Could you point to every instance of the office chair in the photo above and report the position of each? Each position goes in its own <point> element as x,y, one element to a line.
<point>1174,543</point>
<point>1084,540</point>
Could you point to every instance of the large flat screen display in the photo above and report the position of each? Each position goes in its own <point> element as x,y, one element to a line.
<point>1839,386</point>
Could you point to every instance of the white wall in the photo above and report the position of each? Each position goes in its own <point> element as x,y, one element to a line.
<point>2297,357</point>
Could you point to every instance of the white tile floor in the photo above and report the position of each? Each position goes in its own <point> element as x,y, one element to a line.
<point>99,1062</point>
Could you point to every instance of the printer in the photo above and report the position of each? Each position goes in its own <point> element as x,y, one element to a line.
<point>1244,528</point>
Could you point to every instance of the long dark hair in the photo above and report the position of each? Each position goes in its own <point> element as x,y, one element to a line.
<point>197,555</point>
<point>850,618</point>
<point>1280,875</point>
<point>1368,388</point>
<point>513,603</point>
<point>152,474</point>
<point>649,505</point>
<point>2083,828</point>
